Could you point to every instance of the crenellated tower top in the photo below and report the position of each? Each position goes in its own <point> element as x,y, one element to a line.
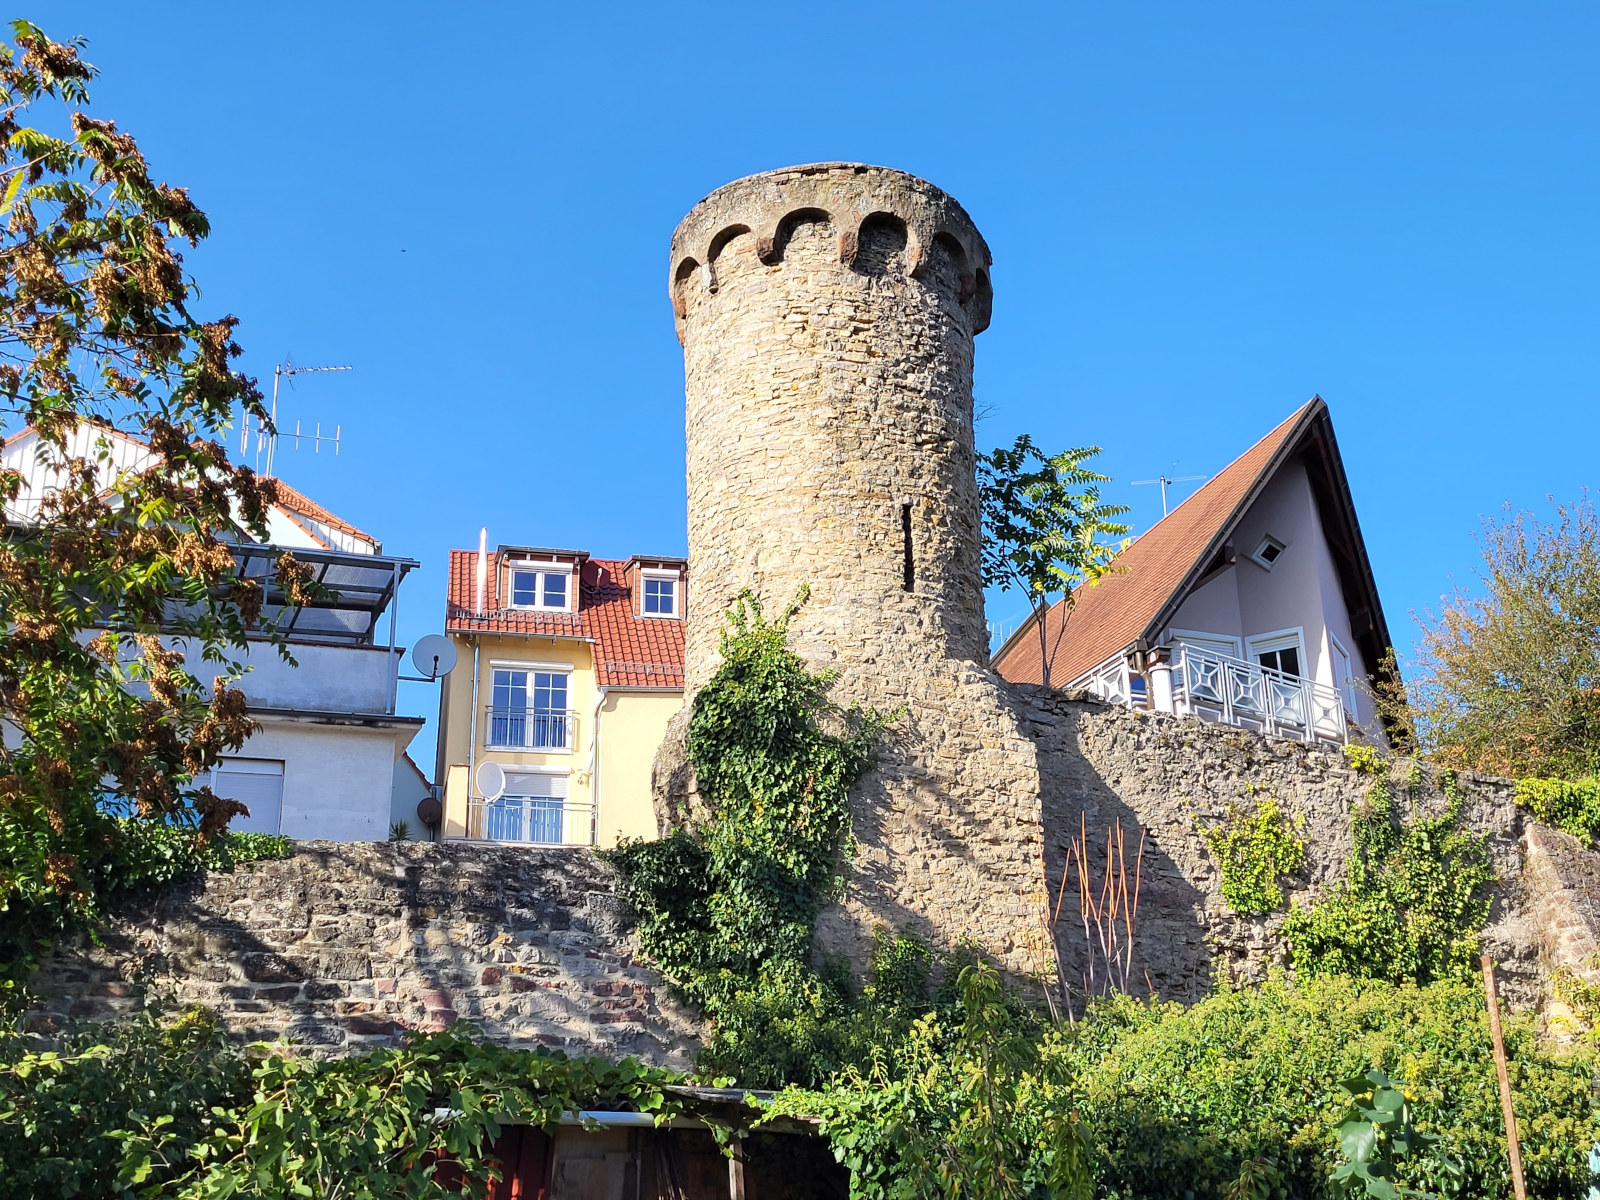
<point>850,196</point>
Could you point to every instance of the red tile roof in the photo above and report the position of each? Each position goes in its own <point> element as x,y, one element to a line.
<point>297,502</point>
<point>629,651</point>
<point>1114,613</point>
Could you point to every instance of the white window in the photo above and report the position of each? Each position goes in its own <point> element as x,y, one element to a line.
<point>541,587</point>
<point>531,809</point>
<point>529,709</point>
<point>1343,679</point>
<point>660,594</point>
<point>1268,552</point>
<point>256,783</point>
<point>1207,643</point>
<point>1283,650</point>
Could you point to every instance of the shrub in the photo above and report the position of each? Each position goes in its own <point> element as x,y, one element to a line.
<point>1571,805</point>
<point>1183,1100</point>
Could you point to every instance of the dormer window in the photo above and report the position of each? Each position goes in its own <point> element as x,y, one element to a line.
<point>541,587</point>
<point>660,598</point>
<point>1267,553</point>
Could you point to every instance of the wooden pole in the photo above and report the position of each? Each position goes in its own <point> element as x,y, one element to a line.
<point>1506,1110</point>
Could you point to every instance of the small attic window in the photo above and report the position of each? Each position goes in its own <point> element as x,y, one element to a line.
<point>1268,552</point>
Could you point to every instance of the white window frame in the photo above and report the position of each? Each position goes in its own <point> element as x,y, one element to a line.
<point>1266,564</point>
<point>1214,642</point>
<point>677,592</point>
<point>236,765</point>
<point>562,773</point>
<point>1279,639</point>
<point>540,569</point>
<point>532,668</point>
<point>1347,689</point>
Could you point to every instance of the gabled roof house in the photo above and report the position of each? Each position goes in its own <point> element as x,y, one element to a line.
<point>1253,602</point>
<point>571,668</point>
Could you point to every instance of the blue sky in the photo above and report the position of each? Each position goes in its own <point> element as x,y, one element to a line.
<point>1200,216</point>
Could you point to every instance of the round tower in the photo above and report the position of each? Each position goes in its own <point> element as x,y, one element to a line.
<point>827,315</point>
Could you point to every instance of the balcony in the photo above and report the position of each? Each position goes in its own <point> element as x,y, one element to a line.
<point>531,821</point>
<point>553,732</point>
<point>1219,687</point>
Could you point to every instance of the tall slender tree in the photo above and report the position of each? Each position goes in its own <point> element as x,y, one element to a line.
<point>1045,528</point>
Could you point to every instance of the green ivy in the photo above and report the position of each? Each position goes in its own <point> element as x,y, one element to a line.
<point>1570,805</point>
<point>727,907</point>
<point>1253,851</point>
<point>1362,759</point>
<point>1414,896</point>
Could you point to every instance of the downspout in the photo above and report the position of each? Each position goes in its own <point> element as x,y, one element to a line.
<point>594,767</point>
<point>477,639</point>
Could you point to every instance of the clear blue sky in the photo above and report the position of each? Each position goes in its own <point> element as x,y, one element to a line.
<point>1200,216</point>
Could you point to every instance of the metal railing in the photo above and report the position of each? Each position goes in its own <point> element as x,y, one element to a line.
<point>530,729</point>
<point>531,821</point>
<point>1238,692</point>
<point>1220,687</point>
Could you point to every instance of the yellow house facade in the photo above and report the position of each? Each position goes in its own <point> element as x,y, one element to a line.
<point>569,669</point>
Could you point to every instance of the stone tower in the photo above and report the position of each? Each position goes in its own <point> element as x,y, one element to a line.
<point>827,315</point>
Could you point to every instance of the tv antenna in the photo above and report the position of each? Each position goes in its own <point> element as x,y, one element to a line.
<point>289,370</point>
<point>1165,481</point>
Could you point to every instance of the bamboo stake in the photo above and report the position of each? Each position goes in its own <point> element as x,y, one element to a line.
<point>1510,1114</point>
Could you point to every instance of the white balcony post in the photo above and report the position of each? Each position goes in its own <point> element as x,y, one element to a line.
<point>1159,673</point>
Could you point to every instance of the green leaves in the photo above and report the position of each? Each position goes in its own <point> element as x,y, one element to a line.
<point>1044,524</point>
<point>727,908</point>
<point>1374,1132</point>
<point>1414,897</point>
<point>1571,805</point>
<point>1252,853</point>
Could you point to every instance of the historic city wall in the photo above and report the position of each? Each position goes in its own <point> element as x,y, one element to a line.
<point>349,944</point>
<point>1171,778</point>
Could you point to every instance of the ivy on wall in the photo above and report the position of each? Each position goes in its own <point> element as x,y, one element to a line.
<point>1414,896</point>
<point>727,907</point>
<point>1253,851</point>
<point>1571,805</point>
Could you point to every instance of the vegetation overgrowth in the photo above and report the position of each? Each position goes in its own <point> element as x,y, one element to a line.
<point>727,906</point>
<point>1253,852</point>
<point>1414,897</point>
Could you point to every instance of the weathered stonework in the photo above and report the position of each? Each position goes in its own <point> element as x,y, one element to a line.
<point>347,945</point>
<point>827,315</point>
<point>1172,777</point>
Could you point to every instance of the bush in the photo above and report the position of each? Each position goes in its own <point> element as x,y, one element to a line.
<point>1571,805</point>
<point>1182,1100</point>
<point>59,1108</point>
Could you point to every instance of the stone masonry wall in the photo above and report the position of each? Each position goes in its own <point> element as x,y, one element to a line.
<point>827,315</point>
<point>1171,777</point>
<point>347,945</point>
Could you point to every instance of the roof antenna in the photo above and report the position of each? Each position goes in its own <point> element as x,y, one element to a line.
<point>270,441</point>
<point>1164,480</point>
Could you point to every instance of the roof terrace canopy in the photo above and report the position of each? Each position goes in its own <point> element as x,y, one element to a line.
<point>359,587</point>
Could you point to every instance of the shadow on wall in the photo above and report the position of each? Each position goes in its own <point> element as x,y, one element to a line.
<point>1171,956</point>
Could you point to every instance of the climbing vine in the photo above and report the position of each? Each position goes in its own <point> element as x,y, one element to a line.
<point>727,907</point>
<point>1253,851</point>
<point>1571,805</point>
<point>1414,896</point>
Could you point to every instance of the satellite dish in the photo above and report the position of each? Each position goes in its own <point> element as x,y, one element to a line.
<point>491,780</point>
<point>434,655</point>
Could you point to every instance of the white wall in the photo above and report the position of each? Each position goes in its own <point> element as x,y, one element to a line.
<point>409,791</point>
<point>338,781</point>
<point>1300,591</point>
<point>342,679</point>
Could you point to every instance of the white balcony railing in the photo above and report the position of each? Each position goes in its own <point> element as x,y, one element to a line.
<point>530,729</point>
<point>531,821</point>
<point>1234,691</point>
